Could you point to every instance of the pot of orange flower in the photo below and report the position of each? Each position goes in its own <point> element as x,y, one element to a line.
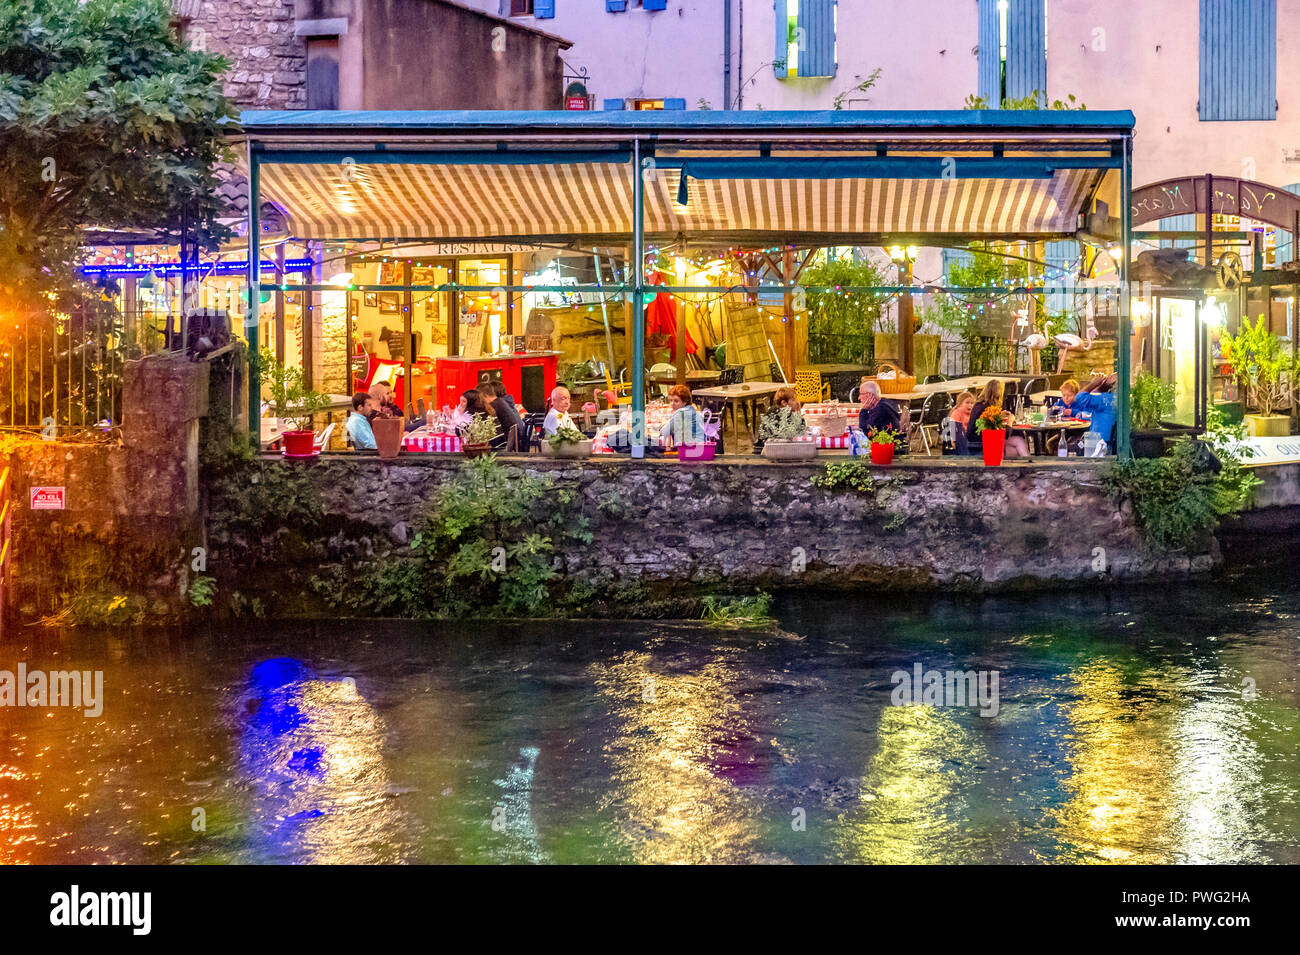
<point>883,443</point>
<point>992,429</point>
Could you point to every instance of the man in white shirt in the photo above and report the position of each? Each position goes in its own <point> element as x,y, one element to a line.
<point>558,416</point>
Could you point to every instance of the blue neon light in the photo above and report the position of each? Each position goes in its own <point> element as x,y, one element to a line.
<point>175,268</point>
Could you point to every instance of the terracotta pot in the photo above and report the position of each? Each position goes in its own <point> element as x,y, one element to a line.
<point>298,444</point>
<point>995,445</point>
<point>568,449</point>
<point>882,454</point>
<point>789,450</point>
<point>388,436</point>
<point>476,450</point>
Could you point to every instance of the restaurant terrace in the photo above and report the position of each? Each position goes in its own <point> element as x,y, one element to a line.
<point>731,204</point>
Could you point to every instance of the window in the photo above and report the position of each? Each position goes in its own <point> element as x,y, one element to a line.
<point>1238,60</point>
<point>1012,50</point>
<point>521,8</point>
<point>805,38</point>
<point>667,103</point>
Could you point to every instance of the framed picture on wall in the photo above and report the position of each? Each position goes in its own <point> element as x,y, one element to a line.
<point>371,299</point>
<point>390,303</point>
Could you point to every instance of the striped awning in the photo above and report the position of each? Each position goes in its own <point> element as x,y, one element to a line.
<point>464,201</point>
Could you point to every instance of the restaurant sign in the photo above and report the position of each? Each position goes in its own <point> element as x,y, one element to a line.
<point>1232,197</point>
<point>1272,450</point>
<point>47,499</point>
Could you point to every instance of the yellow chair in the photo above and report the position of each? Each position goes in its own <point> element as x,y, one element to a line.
<point>622,391</point>
<point>809,387</point>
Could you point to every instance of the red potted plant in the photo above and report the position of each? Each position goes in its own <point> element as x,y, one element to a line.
<point>992,429</point>
<point>883,443</point>
<point>292,402</point>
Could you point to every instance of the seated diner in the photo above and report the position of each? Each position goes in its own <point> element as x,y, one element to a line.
<point>876,414</point>
<point>1094,400</point>
<point>686,426</point>
<point>991,395</point>
<point>558,416</point>
<point>358,427</point>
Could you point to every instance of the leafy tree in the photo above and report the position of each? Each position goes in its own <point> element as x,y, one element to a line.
<point>106,119</point>
<point>841,328</point>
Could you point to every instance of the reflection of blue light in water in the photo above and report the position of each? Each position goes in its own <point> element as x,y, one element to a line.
<point>310,751</point>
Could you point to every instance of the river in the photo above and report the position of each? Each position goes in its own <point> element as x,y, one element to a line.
<point>1137,726</point>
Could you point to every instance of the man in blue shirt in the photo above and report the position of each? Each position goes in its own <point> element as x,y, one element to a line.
<point>358,423</point>
<point>1099,404</point>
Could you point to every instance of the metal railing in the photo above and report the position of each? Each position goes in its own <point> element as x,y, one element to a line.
<point>62,372</point>
<point>990,355</point>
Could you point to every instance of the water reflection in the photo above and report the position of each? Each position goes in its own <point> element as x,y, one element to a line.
<point>310,753</point>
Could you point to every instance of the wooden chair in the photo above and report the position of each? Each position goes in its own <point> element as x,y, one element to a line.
<point>809,387</point>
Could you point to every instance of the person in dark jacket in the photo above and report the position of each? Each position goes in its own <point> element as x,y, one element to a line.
<point>877,413</point>
<point>991,394</point>
<point>502,407</point>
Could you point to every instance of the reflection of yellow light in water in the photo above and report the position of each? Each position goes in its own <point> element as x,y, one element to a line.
<point>664,757</point>
<point>17,824</point>
<point>1119,803</point>
<point>911,793</point>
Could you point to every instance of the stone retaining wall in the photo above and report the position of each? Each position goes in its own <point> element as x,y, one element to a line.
<point>746,523</point>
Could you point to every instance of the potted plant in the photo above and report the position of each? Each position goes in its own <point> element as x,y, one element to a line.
<point>567,442</point>
<point>992,429</point>
<point>883,443</point>
<point>1151,400</point>
<point>1264,375</point>
<point>388,429</point>
<point>476,437</point>
<point>782,432</point>
<point>292,401</point>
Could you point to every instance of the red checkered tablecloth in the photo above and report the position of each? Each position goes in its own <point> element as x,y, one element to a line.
<point>424,441</point>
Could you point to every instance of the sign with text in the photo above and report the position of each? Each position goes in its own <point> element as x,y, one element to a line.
<point>1272,451</point>
<point>47,499</point>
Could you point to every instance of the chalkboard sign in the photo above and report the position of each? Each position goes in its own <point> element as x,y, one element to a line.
<point>521,344</point>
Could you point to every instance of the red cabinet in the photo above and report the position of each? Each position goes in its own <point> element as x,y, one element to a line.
<point>529,378</point>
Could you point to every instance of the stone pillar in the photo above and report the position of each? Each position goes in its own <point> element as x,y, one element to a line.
<point>162,400</point>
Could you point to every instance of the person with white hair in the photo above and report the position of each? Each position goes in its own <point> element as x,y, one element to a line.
<point>558,416</point>
<point>876,413</point>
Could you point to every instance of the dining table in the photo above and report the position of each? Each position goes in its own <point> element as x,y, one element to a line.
<point>954,386</point>
<point>1038,431</point>
<point>747,394</point>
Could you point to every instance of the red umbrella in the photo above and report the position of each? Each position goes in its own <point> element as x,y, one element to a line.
<point>661,319</point>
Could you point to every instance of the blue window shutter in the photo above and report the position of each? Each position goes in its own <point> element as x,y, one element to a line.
<point>1184,223</point>
<point>1286,252</point>
<point>655,5</point>
<point>613,104</point>
<point>1026,48</point>
<point>989,78</point>
<point>544,9</point>
<point>615,6</point>
<point>817,35</point>
<point>1062,257</point>
<point>674,103</point>
<point>782,49</point>
<point>1238,59</point>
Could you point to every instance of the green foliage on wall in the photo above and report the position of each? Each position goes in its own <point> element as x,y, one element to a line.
<point>841,329</point>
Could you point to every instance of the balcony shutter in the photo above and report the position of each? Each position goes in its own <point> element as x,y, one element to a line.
<point>1183,223</point>
<point>544,9</point>
<point>655,5</point>
<point>614,104</point>
<point>782,50</point>
<point>615,6</point>
<point>1026,48</point>
<point>1238,60</point>
<point>674,103</point>
<point>817,33</point>
<point>989,76</point>
<point>1059,256</point>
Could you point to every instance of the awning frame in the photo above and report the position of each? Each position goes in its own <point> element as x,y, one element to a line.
<point>884,140</point>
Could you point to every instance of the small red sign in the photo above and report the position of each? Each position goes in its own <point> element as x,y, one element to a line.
<point>47,499</point>
<point>576,102</point>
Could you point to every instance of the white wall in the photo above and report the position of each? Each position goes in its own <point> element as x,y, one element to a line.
<point>1150,65</point>
<point>926,49</point>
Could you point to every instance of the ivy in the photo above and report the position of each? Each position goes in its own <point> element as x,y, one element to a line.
<point>851,473</point>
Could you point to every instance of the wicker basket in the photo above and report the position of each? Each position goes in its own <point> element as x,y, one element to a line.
<point>902,383</point>
<point>833,425</point>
